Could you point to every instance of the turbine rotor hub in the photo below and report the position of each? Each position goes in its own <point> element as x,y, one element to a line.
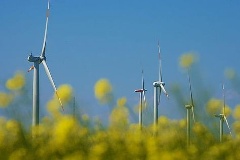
<point>42,58</point>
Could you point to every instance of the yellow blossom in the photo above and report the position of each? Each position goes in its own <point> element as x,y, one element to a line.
<point>182,123</point>
<point>120,116</point>
<point>5,99</point>
<point>85,118</point>
<point>122,101</point>
<point>236,128</point>
<point>103,91</point>
<point>214,106</point>
<point>230,73</point>
<point>199,128</point>
<point>236,113</point>
<point>19,154</point>
<point>227,111</point>
<point>187,59</point>
<point>163,121</point>
<point>53,107</point>
<point>17,82</point>
<point>62,130</point>
<point>65,92</point>
<point>98,150</point>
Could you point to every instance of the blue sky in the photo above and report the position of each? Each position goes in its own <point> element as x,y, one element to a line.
<point>89,40</point>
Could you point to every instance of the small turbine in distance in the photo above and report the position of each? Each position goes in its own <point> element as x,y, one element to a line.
<point>35,67</point>
<point>142,100</point>
<point>222,118</point>
<point>189,108</point>
<point>158,87</point>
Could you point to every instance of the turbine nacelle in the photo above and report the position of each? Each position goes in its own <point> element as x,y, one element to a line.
<point>158,84</point>
<point>188,106</point>
<point>31,58</point>
<point>219,115</point>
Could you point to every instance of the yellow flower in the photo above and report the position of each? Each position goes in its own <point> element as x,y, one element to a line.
<point>214,106</point>
<point>227,111</point>
<point>63,129</point>
<point>98,150</point>
<point>182,123</point>
<point>163,121</point>
<point>187,59</point>
<point>230,73</point>
<point>5,99</point>
<point>20,153</point>
<point>85,118</point>
<point>236,113</point>
<point>17,82</point>
<point>199,128</point>
<point>119,117</point>
<point>53,107</point>
<point>122,101</point>
<point>65,92</point>
<point>236,128</point>
<point>103,91</point>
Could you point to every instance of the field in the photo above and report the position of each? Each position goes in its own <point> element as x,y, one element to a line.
<point>67,136</point>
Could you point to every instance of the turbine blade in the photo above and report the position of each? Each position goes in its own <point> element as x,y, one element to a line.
<point>143,89</point>
<point>45,33</point>
<point>223,88</point>
<point>163,89</point>
<point>159,95</point>
<point>51,80</point>
<point>31,68</point>
<point>144,99</point>
<point>49,75</point>
<point>190,90</point>
<point>227,124</point>
<point>193,115</point>
<point>160,63</point>
<point>142,81</point>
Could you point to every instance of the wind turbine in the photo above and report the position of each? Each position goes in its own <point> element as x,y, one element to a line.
<point>35,67</point>
<point>158,88</point>
<point>142,99</point>
<point>189,108</point>
<point>222,118</point>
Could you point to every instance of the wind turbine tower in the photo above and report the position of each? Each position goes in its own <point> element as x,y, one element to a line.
<point>142,101</point>
<point>222,118</point>
<point>189,108</point>
<point>158,88</point>
<point>36,61</point>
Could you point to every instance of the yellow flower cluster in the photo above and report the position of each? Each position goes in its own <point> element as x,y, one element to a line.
<point>215,106</point>
<point>230,73</point>
<point>67,138</point>
<point>236,113</point>
<point>186,60</point>
<point>119,116</point>
<point>65,93</point>
<point>103,91</point>
<point>17,82</point>
<point>5,99</point>
<point>64,137</point>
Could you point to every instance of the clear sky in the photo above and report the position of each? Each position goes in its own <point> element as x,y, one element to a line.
<point>88,40</point>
